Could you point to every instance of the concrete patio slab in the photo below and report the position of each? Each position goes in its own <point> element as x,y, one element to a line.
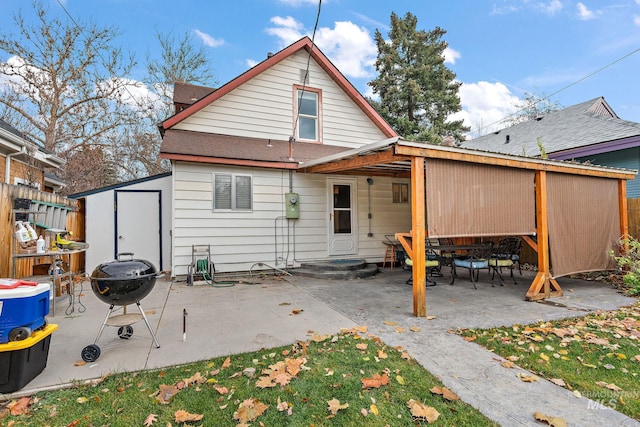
<point>258,313</point>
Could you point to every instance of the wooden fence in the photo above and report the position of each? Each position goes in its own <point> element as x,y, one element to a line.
<point>8,243</point>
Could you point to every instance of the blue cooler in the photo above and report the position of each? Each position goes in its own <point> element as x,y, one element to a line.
<point>23,307</point>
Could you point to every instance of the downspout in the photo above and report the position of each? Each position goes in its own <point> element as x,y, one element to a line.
<point>7,166</point>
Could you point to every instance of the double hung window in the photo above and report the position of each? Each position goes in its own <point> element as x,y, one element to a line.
<point>307,110</point>
<point>232,192</point>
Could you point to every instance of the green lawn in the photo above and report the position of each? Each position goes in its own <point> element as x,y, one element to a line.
<point>346,379</point>
<point>595,356</point>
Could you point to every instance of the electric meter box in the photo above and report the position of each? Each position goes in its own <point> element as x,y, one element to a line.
<point>292,201</point>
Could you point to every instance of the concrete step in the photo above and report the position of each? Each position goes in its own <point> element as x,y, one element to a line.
<point>344,269</point>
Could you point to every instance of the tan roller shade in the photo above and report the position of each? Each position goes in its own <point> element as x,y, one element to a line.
<point>470,199</point>
<point>584,222</point>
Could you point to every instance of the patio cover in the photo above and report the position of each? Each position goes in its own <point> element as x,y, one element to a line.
<point>458,192</point>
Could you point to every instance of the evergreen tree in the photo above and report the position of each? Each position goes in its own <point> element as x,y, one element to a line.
<point>417,90</point>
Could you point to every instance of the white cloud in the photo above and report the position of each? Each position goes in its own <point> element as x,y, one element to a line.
<point>636,19</point>
<point>484,105</point>
<point>584,13</point>
<point>251,63</point>
<point>288,30</point>
<point>551,8</point>
<point>350,47</point>
<point>450,56</point>
<point>207,39</point>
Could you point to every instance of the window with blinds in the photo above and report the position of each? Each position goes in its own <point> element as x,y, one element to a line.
<point>232,192</point>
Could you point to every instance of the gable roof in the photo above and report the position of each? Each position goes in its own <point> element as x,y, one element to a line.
<point>304,43</point>
<point>588,128</point>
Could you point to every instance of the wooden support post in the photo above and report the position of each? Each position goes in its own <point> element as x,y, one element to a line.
<point>622,205</point>
<point>418,234</point>
<point>543,285</point>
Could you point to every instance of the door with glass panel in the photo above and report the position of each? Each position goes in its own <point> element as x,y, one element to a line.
<point>342,217</point>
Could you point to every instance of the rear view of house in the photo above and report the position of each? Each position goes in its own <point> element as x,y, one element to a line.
<point>235,154</point>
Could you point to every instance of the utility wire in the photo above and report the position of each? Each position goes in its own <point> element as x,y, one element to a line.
<point>562,89</point>
<point>306,73</point>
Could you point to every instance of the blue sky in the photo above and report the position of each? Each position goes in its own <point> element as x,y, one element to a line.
<point>498,49</point>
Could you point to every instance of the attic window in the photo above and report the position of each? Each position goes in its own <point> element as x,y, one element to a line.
<point>307,110</point>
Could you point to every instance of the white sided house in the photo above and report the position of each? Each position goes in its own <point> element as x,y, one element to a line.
<point>236,151</point>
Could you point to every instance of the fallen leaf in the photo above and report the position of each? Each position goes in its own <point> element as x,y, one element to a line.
<point>284,406</point>
<point>400,329</point>
<point>508,364</point>
<point>249,410</point>
<point>19,407</point>
<point>151,418</point>
<point>637,358</point>
<point>598,341</point>
<point>400,379</point>
<point>390,323</point>
<point>184,417</point>
<point>320,338</point>
<point>335,406</point>
<point>166,393</point>
<point>374,410</point>
<point>444,392</point>
<point>220,389</point>
<point>552,421</point>
<point>422,411</point>
<point>414,329</point>
<point>376,381</point>
<point>362,346</point>
<point>431,317</point>
<point>609,386</point>
<point>364,412</point>
<point>558,381</point>
<point>527,378</point>
<point>226,363</point>
<point>80,363</point>
<point>382,354</point>
<point>82,400</point>
<point>296,311</point>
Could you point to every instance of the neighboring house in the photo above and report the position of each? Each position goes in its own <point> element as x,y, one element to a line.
<point>130,217</point>
<point>235,152</point>
<point>587,132</point>
<point>24,162</point>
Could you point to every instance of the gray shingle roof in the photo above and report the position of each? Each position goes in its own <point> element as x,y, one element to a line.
<point>581,125</point>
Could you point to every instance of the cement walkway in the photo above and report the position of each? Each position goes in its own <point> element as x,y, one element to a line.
<point>257,314</point>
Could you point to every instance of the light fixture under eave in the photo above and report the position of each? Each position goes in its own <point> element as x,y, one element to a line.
<point>269,143</point>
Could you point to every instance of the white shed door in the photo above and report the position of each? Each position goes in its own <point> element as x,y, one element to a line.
<point>138,225</point>
<point>342,226</point>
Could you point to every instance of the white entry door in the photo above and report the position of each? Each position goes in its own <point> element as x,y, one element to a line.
<point>342,226</point>
<point>138,225</point>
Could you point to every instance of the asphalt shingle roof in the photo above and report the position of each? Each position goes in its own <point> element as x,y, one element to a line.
<point>581,125</point>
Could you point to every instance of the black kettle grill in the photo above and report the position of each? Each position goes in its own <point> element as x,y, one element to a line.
<point>121,282</point>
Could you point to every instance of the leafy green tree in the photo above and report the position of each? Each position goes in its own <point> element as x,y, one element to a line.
<point>417,91</point>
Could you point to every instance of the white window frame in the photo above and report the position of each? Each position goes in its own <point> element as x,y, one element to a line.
<point>26,183</point>
<point>234,199</point>
<point>318,117</point>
